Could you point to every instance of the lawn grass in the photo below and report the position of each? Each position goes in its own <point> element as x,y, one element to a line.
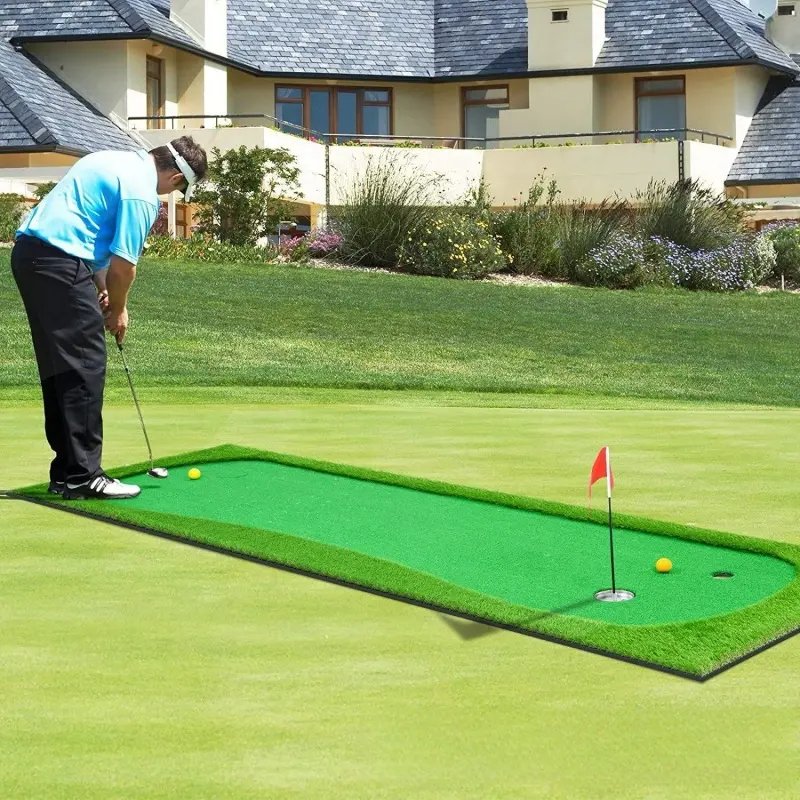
<point>217,325</point>
<point>135,667</point>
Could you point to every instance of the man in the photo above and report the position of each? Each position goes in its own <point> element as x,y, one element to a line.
<point>74,261</point>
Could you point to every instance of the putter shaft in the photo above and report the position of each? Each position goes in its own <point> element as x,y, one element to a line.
<point>136,402</point>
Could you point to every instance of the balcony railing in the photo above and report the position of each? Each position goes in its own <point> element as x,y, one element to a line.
<point>462,142</point>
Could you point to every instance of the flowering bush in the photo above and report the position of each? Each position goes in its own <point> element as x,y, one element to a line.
<point>742,264</point>
<point>627,261</point>
<point>687,213</point>
<point>293,248</point>
<point>669,264</point>
<point>200,248</point>
<point>619,263</point>
<point>161,225</point>
<point>323,243</point>
<point>383,204</point>
<point>452,245</point>
<point>320,243</point>
<point>528,232</point>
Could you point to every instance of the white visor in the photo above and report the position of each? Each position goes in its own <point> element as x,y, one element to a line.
<point>186,170</point>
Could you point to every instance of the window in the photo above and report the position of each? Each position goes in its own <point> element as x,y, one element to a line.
<point>154,90</point>
<point>562,15</point>
<point>660,104</point>
<point>482,107</point>
<point>785,11</point>
<point>349,112</point>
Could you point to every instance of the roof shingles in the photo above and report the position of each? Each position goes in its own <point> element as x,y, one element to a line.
<point>771,149</point>
<point>419,39</point>
<point>460,38</point>
<point>49,112</point>
<point>474,37</point>
<point>355,37</point>
<point>414,38</point>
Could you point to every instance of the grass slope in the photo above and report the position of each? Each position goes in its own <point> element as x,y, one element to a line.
<point>202,324</point>
<point>699,648</point>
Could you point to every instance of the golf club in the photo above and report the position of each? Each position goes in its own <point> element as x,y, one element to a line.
<point>154,472</point>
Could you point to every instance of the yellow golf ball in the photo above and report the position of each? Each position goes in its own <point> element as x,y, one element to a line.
<point>194,473</point>
<point>663,565</point>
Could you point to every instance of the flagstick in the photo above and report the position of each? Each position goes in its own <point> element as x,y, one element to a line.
<point>610,526</point>
<point>611,545</point>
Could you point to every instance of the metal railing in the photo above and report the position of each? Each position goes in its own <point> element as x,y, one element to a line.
<point>463,142</point>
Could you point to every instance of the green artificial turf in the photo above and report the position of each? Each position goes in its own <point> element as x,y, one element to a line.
<point>513,561</point>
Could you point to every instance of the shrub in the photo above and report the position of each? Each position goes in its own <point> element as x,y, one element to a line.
<point>785,238</point>
<point>741,265</point>
<point>668,263</point>
<point>323,243</point>
<point>382,207</point>
<point>528,233</point>
<point>202,248</point>
<point>12,209</point>
<point>452,245</point>
<point>293,248</point>
<point>44,189</point>
<point>161,225</point>
<point>245,193</point>
<point>580,229</point>
<point>618,263</point>
<point>688,214</point>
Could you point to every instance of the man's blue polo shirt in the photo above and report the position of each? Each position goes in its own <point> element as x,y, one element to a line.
<point>106,204</point>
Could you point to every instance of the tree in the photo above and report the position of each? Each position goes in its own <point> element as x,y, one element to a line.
<point>246,193</point>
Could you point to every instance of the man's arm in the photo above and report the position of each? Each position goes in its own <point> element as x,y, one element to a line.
<point>99,279</point>
<point>121,274</point>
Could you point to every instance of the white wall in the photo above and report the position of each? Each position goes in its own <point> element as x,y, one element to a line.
<point>97,71</point>
<point>750,85</point>
<point>452,173</point>
<point>206,21</point>
<point>136,66</point>
<point>709,164</point>
<point>592,173</point>
<point>564,45</point>
<point>556,105</point>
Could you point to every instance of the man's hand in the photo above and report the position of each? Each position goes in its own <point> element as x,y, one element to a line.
<point>120,276</point>
<point>117,323</point>
<point>102,298</point>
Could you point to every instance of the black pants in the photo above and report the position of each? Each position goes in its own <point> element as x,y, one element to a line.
<point>68,337</point>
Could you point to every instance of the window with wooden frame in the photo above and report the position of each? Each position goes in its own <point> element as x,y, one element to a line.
<point>154,89</point>
<point>480,117</point>
<point>660,104</point>
<point>347,112</point>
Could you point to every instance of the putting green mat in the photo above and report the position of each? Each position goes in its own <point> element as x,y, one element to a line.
<point>521,563</point>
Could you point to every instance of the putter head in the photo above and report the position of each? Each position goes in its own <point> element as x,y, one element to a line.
<point>158,472</point>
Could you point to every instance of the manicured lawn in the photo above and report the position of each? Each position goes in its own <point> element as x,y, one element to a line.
<point>201,324</point>
<point>139,668</point>
<point>135,667</point>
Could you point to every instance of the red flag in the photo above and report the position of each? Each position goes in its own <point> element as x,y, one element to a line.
<point>602,469</point>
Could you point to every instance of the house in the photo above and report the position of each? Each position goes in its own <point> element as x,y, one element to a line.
<point>601,95</point>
